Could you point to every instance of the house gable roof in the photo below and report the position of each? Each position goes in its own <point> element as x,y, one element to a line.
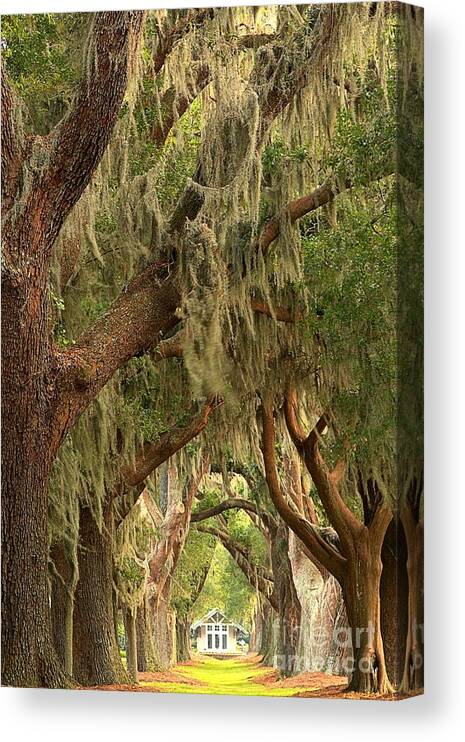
<point>216,616</point>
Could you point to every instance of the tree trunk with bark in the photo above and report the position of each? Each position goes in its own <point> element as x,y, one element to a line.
<point>42,179</point>
<point>394,601</point>
<point>289,609</point>
<point>130,630</point>
<point>141,633</point>
<point>413,675</point>
<point>164,631</point>
<point>269,638</point>
<point>29,658</point>
<point>356,560</point>
<point>183,643</point>
<point>62,604</point>
<point>96,655</point>
<point>361,590</point>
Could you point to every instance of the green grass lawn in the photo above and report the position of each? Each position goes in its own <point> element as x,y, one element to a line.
<point>223,677</point>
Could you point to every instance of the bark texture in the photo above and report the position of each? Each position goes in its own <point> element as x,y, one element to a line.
<point>62,605</point>
<point>356,559</point>
<point>289,609</point>
<point>183,643</point>
<point>96,655</point>
<point>34,418</point>
<point>130,629</point>
<point>394,601</point>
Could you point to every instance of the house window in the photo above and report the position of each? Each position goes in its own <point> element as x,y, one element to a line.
<point>209,641</point>
<point>209,627</point>
<point>224,641</point>
<point>224,628</point>
<point>217,641</point>
<point>217,627</point>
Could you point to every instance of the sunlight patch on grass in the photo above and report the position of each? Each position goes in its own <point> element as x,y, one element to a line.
<point>223,677</point>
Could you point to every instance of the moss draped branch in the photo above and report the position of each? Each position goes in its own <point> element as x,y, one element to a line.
<point>154,454</point>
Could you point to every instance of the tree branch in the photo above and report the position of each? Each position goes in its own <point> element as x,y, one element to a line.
<point>143,312</point>
<point>12,142</point>
<point>230,504</point>
<point>339,514</point>
<point>296,431</point>
<point>257,579</point>
<point>323,552</point>
<point>172,347</point>
<point>281,314</point>
<point>172,107</point>
<point>76,145</point>
<point>154,454</point>
<point>170,35</point>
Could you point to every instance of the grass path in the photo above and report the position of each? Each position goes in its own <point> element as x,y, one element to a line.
<point>235,676</point>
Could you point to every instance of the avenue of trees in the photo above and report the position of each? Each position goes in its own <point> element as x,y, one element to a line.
<point>211,339</point>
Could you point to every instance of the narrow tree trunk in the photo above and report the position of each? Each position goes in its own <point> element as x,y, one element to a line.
<point>413,675</point>
<point>268,645</point>
<point>164,631</point>
<point>150,649</point>
<point>361,590</point>
<point>62,605</point>
<point>131,643</point>
<point>256,633</point>
<point>183,653</point>
<point>141,633</point>
<point>394,601</point>
<point>289,609</point>
<point>96,655</point>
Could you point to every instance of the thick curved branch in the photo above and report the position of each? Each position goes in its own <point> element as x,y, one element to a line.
<point>294,427</point>
<point>339,514</point>
<point>170,35</point>
<point>297,209</point>
<point>76,145</point>
<point>232,503</point>
<point>281,314</point>
<point>154,454</point>
<point>174,529</point>
<point>323,552</point>
<point>172,106</point>
<point>172,347</point>
<point>136,321</point>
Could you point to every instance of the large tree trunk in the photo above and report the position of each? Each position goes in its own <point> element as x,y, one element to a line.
<point>96,655</point>
<point>361,590</point>
<point>28,656</point>
<point>289,609</point>
<point>62,605</point>
<point>41,182</point>
<point>183,643</point>
<point>323,615</point>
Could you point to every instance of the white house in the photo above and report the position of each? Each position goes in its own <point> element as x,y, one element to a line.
<point>216,634</point>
